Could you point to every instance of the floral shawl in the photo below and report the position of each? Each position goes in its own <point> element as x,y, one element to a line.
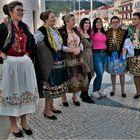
<point>7,35</point>
<point>131,35</point>
<point>51,38</point>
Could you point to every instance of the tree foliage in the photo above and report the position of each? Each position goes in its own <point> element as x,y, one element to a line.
<point>68,6</point>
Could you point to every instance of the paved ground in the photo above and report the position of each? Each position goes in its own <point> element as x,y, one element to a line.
<point>109,118</point>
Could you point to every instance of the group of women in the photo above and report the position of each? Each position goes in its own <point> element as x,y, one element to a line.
<point>63,61</point>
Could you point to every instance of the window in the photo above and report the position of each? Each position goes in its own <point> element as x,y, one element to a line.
<point>126,16</point>
<point>126,8</point>
<point>130,15</point>
<point>131,7</point>
<point>137,5</point>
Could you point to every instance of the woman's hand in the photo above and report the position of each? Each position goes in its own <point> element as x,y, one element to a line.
<point>124,51</point>
<point>3,55</point>
<point>69,50</point>
<point>82,35</point>
<point>27,54</point>
<point>76,51</point>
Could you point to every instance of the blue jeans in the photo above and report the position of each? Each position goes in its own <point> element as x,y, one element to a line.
<point>100,61</point>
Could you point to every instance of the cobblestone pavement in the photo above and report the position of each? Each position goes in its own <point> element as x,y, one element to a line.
<point>109,118</point>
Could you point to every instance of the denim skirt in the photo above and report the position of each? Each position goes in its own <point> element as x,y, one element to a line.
<point>19,87</point>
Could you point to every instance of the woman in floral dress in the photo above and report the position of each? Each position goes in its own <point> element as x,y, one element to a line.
<point>77,73</point>
<point>116,65</point>
<point>87,54</point>
<point>134,62</point>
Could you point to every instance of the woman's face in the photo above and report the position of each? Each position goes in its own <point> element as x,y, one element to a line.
<point>17,13</point>
<point>86,25</point>
<point>99,24</point>
<point>71,22</point>
<point>136,21</point>
<point>115,23</point>
<point>51,19</point>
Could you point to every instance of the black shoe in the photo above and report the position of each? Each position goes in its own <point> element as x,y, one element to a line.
<point>28,131</point>
<point>19,134</point>
<point>112,93</point>
<point>53,117</point>
<point>66,104</point>
<point>136,96</point>
<point>57,111</point>
<point>124,95</point>
<point>88,100</point>
<point>77,103</point>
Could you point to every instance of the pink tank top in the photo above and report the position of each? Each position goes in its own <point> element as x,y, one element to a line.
<point>99,41</point>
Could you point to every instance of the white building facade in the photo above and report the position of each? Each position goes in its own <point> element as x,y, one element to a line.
<point>117,9</point>
<point>110,13</point>
<point>136,6</point>
<point>32,14</point>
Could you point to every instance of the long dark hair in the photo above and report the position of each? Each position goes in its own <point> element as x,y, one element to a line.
<point>82,22</point>
<point>95,30</point>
